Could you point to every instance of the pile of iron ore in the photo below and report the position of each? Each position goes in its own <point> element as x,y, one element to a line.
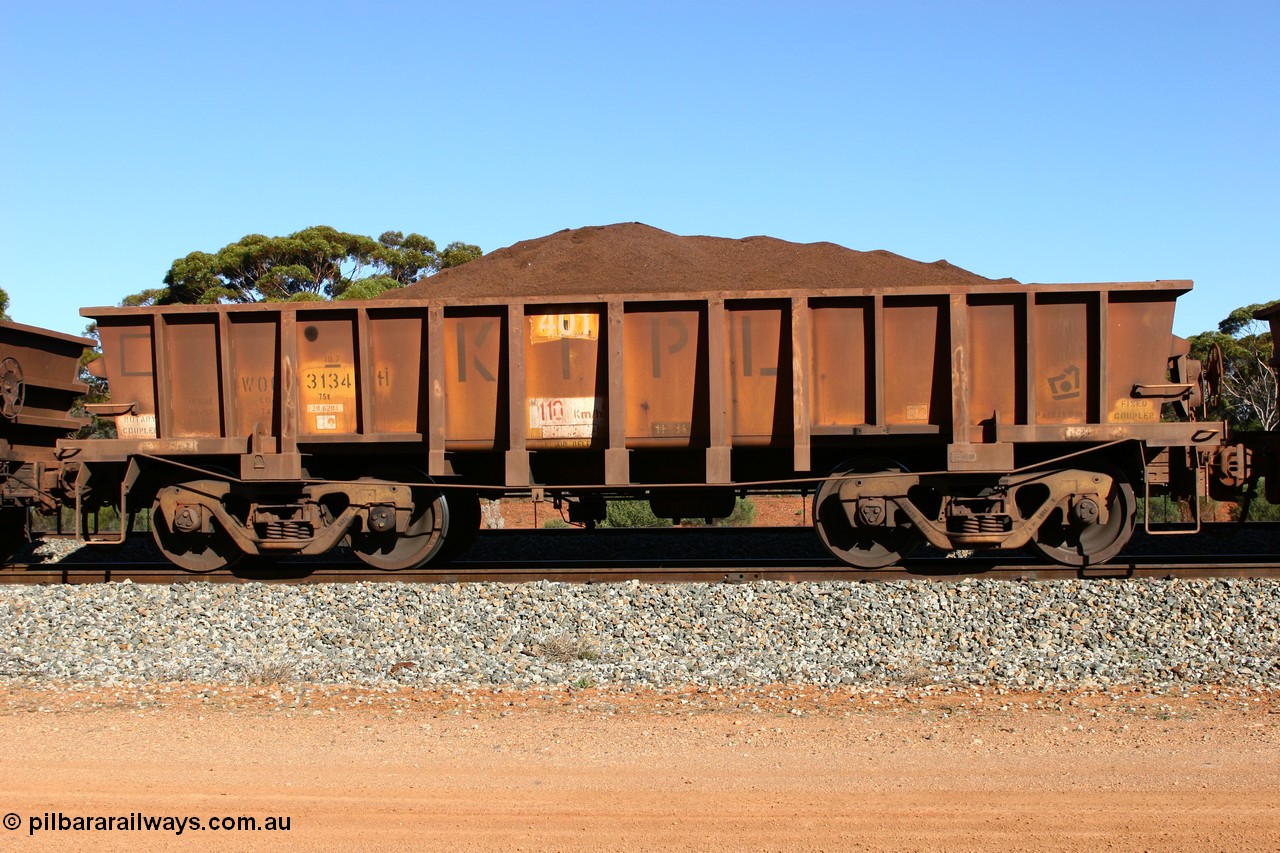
<point>634,258</point>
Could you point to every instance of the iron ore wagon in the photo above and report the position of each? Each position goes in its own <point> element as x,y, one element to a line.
<point>969,414</point>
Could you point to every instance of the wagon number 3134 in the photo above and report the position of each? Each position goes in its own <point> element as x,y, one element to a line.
<point>327,381</point>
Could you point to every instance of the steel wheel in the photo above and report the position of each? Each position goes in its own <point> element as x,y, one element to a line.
<point>864,547</point>
<point>1076,543</point>
<point>195,552</point>
<point>425,536</point>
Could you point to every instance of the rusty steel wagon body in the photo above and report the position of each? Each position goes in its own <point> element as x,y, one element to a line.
<point>983,417</point>
<point>38,386</point>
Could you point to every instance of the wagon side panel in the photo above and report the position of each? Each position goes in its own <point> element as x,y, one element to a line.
<point>758,361</point>
<point>842,367</point>
<point>1137,324</point>
<point>1065,363</point>
<point>666,384</point>
<point>566,384</point>
<point>996,365</point>
<point>129,366</point>
<point>475,379</point>
<point>916,381</point>
<point>251,349</point>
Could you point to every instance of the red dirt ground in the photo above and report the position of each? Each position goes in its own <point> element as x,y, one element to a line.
<point>771,511</point>
<point>767,769</point>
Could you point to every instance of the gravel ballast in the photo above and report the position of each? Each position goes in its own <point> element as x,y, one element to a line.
<point>1046,635</point>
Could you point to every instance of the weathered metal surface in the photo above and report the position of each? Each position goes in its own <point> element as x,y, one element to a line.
<point>843,370</point>
<point>617,460</point>
<point>916,368</point>
<point>665,380</point>
<point>473,370</point>
<point>974,373</point>
<point>326,368</point>
<point>1203,433</point>
<point>759,391</point>
<point>254,364</point>
<point>38,385</point>
<point>39,382</point>
<point>566,385</point>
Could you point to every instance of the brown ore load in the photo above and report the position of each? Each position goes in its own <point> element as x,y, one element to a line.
<point>634,258</point>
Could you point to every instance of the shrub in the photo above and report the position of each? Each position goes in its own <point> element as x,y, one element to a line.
<point>562,648</point>
<point>632,514</point>
<point>1168,510</point>
<point>743,515</point>
<point>1260,509</point>
<point>107,519</point>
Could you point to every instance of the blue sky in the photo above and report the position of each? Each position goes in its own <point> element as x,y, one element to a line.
<point>1053,142</point>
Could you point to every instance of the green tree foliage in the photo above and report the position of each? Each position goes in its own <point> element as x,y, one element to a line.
<point>316,263</point>
<point>1260,509</point>
<point>632,514</point>
<point>743,515</point>
<point>98,393</point>
<point>456,254</point>
<point>1245,380</point>
<point>4,305</point>
<point>640,514</point>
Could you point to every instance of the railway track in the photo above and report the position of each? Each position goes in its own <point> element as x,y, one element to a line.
<point>714,555</point>
<point>596,572</point>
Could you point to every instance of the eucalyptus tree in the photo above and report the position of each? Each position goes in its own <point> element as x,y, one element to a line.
<point>315,263</point>
<point>1237,359</point>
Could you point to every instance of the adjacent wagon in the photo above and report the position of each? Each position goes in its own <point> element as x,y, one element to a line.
<point>39,384</point>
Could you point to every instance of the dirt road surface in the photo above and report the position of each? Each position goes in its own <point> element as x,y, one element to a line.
<point>768,769</point>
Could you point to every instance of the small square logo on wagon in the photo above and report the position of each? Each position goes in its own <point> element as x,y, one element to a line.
<point>326,422</point>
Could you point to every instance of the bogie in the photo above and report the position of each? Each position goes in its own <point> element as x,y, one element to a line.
<point>394,518</point>
<point>870,514</point>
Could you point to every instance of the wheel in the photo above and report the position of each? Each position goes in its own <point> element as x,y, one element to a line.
<point>1075,542</point>
<point>195,552</point>
<point>864,547</point>
<point>424,538</point>
<point>464,523</point>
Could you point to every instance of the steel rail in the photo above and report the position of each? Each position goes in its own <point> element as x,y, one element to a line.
<point>652,571</point>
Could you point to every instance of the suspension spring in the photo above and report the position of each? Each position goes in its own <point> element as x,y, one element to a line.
<point>991,523</point>
<point>285,531</point>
